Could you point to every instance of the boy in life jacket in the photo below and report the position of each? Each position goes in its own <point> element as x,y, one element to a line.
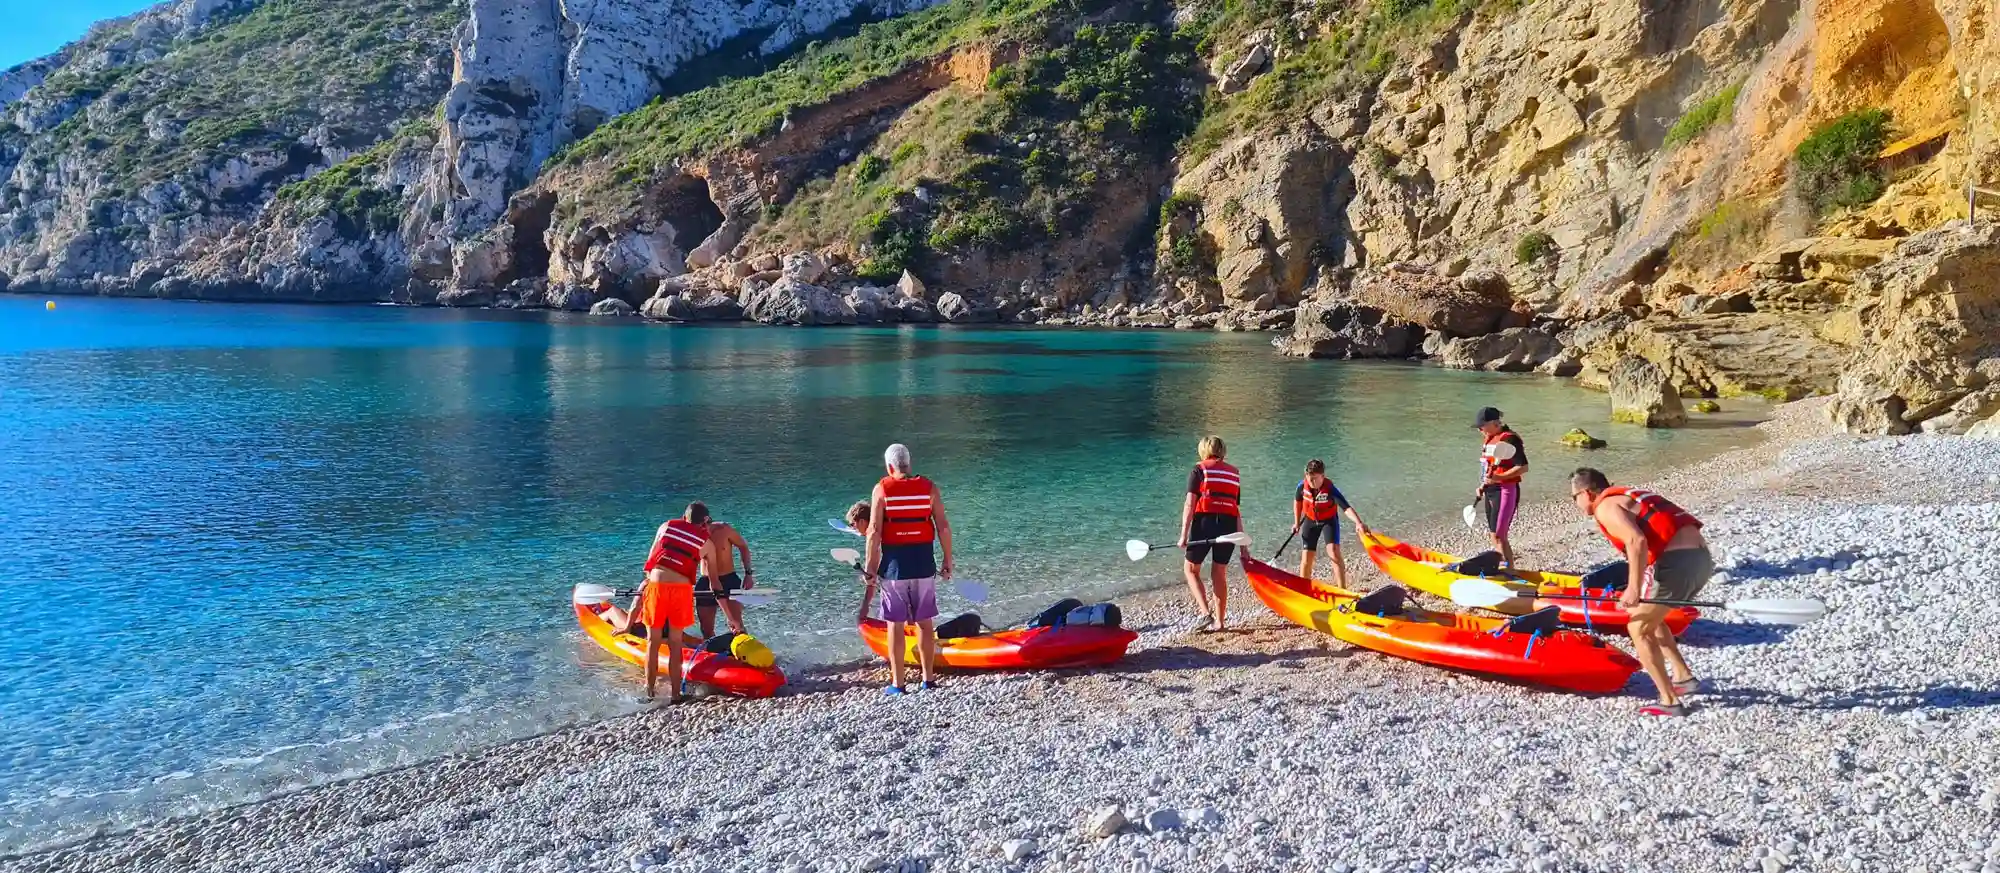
<point>1503,460</point>
<point>1668,560</point>
<point>1210,510</point>
<point>1316,509</point>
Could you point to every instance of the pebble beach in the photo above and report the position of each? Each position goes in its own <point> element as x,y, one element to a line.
<point>1861,742</point>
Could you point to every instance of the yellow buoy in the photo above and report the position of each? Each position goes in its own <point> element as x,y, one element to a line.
<point>50,306</point>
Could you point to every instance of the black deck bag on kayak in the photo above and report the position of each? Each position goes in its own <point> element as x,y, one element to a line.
<point>1613,576</point>
<point>1097,615</point>
<point>1485,563</point>
<point>719,644</point>
<point>966,625</point>
<point>1544,621</point>
<point>1054,615</point>
<point>1381,602</point>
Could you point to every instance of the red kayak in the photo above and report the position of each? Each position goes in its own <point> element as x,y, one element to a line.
<point>721,672</point>
<point>1035,648</point>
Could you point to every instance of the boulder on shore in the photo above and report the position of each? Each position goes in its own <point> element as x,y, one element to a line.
<point>1578,438</point>
<point>1514,350</point>
<point>1641,394</point>
<point>790,301</point>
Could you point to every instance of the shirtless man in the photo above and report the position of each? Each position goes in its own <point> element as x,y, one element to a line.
<point>718,562</point>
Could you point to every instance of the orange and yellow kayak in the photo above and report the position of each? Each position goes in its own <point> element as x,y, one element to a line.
<point>1498,647</point>
<point>721,672</point>
<point>1425,571</point>
<point>1035,648</point>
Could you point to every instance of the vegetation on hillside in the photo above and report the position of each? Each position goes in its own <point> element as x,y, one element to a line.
<point>262,78</point>
<point>1022,164</point>
<point>1717,109</point>
<point>351,191</point>
<point>1835,166</point>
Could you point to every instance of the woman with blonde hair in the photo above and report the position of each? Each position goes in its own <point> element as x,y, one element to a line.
<point>1211,510</point>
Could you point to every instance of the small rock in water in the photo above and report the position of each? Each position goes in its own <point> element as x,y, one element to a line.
<point>1105,822</point>
<point>1015,850</point>
<point>1163,820</point>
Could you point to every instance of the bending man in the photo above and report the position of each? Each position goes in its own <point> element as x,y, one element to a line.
<point>1668,560</point>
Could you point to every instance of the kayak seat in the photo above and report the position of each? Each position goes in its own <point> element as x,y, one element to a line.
<point>1613,577</point>
<point>966,625</point>
<point>1485,563</point>
<point>1381,602</point>
<point>1544,621</point>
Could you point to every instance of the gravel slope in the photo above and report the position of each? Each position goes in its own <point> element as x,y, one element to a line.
<point>1862,742</point>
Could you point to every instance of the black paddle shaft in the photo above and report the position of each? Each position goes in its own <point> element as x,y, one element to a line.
<point>1706,604</point>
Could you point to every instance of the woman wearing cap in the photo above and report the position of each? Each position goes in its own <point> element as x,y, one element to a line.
<point>1503,459</point>
<point>1210,511</point>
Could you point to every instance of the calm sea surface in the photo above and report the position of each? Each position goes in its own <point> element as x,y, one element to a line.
<point>255,547</point>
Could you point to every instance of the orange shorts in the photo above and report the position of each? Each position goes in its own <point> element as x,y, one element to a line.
<point>667,604</point>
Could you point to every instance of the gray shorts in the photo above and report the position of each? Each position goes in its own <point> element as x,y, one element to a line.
<point>906,600</point>
<point>1678,575</point>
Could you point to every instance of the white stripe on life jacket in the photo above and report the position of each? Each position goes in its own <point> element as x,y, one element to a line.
<point>685,537</point>
<point>1220,476</point>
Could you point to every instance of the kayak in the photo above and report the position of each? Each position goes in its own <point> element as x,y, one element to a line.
<point>1531,648</point>
<point>1034,648</point>
<point>721,672</point>
<point>1425,571</point>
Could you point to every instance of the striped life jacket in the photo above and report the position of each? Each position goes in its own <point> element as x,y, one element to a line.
<point>907,511</point>
<point>1659,517</point>
<point>1317,503</point>
<point>679,548</point>
<point>1221,488</point>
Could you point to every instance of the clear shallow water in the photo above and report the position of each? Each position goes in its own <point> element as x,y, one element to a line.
<point>253,547</point>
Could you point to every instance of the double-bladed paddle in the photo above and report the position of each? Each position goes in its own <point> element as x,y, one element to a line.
<point>590,595</point>
<point>975,592</point>
<point>1138,549</point>
<point>1483,594</point>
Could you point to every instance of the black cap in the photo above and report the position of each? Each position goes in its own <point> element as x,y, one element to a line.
<point>1486,416</point>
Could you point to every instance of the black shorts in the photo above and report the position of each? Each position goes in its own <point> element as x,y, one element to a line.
<point>1313,530</point>
<point>1208,526</point>
<point>704,596</point>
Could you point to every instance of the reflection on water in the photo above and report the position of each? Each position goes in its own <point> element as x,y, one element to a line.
<point>255,546</point>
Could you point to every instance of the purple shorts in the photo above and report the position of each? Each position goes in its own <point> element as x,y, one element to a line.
<point>909,599</point>
<point>1501,501</point>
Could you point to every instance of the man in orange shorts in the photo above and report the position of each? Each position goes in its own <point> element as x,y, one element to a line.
<point>666,601</point>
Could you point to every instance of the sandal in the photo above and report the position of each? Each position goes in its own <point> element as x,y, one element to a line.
<point>1667,710</point>
<point>893,691</point>
<point>1685,687</point>
<point>929,685</point>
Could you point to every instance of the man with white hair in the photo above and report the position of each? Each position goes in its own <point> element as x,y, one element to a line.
<point>905,516</point>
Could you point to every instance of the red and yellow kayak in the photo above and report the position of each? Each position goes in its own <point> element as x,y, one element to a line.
<point>1423,570</point>
<point>1035,648</point>
<point>721,672</point>
<point>1563,659</point>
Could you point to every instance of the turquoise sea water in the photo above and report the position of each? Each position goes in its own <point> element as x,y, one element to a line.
<point>254,547</point>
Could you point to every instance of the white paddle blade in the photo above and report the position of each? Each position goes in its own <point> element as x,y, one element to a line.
<point>842,526</point>
<point>1238,538</point>
<point>592,595</point>
<point>849,557</point>
<point>1480,593</point>
<point>759,597</point>
<point>1778,611</point>
<point>1504,451</point>
<point>1136,549</point>
<point>973,591</point>
<point>1471,516</point>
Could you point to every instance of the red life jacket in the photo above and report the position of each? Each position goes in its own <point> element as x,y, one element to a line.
<point>1658,517</point>
<point>907,511</point>
<point>1318,504</point>
<point>1221,488</point>
<point>679,548</point>
<point>1488,464</point>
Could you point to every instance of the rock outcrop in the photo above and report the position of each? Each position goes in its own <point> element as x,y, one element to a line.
<point>1928,350</point>
<point>1641,394</point>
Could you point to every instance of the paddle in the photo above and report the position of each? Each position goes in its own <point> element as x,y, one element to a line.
<point>1281,546</point>
<point>842,526</point>
<point>1502,451</point>
<point>1137,549</point>
<point>1482,594</point>
<point>590,595</point>
<point>975,592</point>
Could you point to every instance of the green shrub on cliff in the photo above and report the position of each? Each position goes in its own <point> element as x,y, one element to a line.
<point>1720,108</point>
<point>1534,246</point>
<point>1835,166</point>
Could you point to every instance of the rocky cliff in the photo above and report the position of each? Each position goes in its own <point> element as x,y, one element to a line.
<point>1744,195</point>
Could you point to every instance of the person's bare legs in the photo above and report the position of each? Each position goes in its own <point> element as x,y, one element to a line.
<point>1677,667</point>
<point>897,654</point>
<point>927,648</point>
<point>1306,563</point>
<point>1506,549</point>
<point>1643,627</point>
<point>653,663</point>
<point>1339,564</point>
<point>675,675</point>
<point>734,612</point>
<point>1219,574</point>
<point>705,611</point>
<point>1192,571</point>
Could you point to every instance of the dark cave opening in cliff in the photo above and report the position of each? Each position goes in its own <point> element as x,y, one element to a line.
<point>686,203</point>
<point>531,224</point>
